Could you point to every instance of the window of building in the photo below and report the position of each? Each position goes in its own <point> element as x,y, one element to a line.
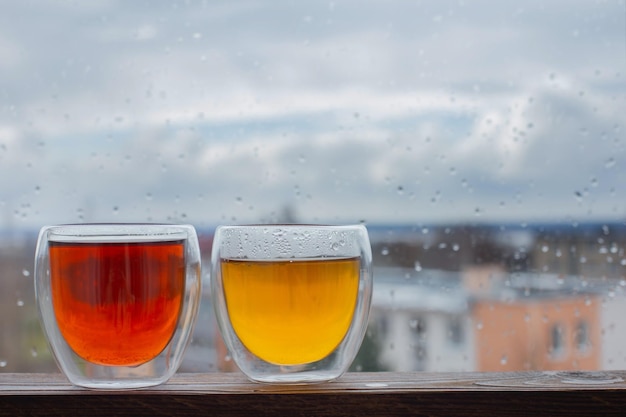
<point>456,334</point>
<point>557,341</point>
<point>582,336</point>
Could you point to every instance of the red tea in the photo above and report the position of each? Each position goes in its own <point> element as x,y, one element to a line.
<point>117,303</point>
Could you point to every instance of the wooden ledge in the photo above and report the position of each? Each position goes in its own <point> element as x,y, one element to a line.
<point>362,394</point>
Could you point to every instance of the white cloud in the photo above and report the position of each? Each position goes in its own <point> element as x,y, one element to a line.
<point>386,112</point>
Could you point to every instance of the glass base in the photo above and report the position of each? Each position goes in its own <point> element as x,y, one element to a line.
<point>115,385</point>
<point>300,378</point>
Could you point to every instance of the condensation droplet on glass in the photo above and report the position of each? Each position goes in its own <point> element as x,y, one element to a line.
<point>20,302</point>
<point>116,210</point>
<point>413,324</point>
<point>3,363</point>
<point>594,182</point>
<point>149,196</point>
<point>479,325</point>
<point>33,352</point>
<point>417,266</point>
<point>456,247</point>
<point>400,190</point>
<point>384,251</point>
<point>545,248</point>
<point>25,272</point>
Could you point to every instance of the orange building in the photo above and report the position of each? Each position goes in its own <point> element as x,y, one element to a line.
<point>540,332</point>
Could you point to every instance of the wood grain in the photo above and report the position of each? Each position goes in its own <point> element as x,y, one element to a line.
<point>367,394</point>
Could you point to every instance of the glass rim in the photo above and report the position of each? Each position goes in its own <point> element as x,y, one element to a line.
<point>293,226</point>
<point>116,232</point>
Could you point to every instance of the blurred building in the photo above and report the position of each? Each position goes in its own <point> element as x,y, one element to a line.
<point>485,319</point>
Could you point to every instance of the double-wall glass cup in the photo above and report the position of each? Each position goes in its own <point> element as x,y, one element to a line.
<point>118,302</point>
<point>292,301</point>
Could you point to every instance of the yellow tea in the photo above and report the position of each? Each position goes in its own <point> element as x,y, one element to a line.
<point>291,312</point>
<point>117,303</point>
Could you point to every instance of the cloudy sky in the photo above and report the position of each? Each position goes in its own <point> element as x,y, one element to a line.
<point>383,111</point>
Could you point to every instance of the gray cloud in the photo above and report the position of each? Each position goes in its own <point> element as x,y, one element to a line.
<point>227,112</point>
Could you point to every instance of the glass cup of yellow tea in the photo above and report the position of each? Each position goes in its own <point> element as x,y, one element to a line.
<point>118,302</point>
<point>292,301</point>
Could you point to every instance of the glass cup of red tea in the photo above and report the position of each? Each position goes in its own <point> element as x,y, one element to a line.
<point>292,301</point>
<point>118,302</point>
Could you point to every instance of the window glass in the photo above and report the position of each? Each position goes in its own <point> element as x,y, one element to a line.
<point>482,143</point>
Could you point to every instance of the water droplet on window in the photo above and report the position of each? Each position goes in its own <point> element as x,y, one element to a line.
<point>384,251</point>
<point>400,190</point>
<point>609,163</point>
<point>456,247</point>
<point>579,195</point>
<point>545,248</point>
<point>417,266</point>
<point>479,325</point>
<point>25,272</point>
<point>503,360</point>
<point>20,303</point>
<point>3,363</point>
<point>33,352</point>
